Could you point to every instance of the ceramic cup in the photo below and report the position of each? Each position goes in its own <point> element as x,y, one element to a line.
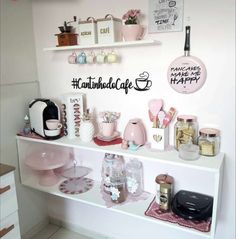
<point>53,124</point>
<point>90,58</point>
<point>107,129</point>
<point>81,58</point>
<point>112,57</point>
<point>100,58</point>
<point>72,58</point>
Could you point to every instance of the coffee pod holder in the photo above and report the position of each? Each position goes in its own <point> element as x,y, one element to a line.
<point>159,138</point>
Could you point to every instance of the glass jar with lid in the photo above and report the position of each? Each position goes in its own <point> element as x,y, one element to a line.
<point>209,141</point>
<point>134,176</point>
<point>186,129</point>
<point>112,164</point>
<point>164,181</point>
<point>118,190</point>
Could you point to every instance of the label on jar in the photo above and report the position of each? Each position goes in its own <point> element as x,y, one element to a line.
<point>107,184</point>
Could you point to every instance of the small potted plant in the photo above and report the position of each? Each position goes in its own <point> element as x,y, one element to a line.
<point>131,17</point>
<point>132,30</point>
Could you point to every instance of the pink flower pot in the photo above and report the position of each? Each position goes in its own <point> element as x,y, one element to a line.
<point>132,32</point>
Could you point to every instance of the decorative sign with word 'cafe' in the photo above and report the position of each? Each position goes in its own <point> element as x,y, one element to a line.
<point>187,74</point>
<point>141,83</point>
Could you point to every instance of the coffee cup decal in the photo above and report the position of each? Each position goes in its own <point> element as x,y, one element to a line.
<point>142,83</point>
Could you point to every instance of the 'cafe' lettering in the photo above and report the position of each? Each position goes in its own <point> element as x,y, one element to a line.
<point>104,30</point>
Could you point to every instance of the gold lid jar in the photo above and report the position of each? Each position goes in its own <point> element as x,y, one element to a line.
<point>186,130</point>
<point>164,181</point>
<point>209,141</point>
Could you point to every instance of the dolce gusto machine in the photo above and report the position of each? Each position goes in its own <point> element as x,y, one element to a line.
<point>41,110</point>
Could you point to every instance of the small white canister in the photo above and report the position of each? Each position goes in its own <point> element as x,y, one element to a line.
<point>88,32</point>
<point>109,29</point>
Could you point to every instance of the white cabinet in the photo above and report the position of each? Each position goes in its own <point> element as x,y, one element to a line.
<point>203,175</point>
<point>9,222</point>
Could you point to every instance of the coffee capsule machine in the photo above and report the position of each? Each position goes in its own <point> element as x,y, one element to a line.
<point>41,110</point>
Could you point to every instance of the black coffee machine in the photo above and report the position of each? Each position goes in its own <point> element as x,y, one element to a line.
<point>41,110</point>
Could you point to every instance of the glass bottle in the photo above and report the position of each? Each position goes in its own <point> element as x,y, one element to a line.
<point>134,177</point>
<point>209,141</point>
<point>27,127</point>
<point>186,129</point>
<point>112,165</point>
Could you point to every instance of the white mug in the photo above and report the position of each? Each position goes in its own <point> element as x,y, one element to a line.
<point>112,57</point>
<point>100,58</point>
<point>90,58</point>
<point>53,124</point>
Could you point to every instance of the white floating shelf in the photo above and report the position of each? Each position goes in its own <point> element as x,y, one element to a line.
<point>211,164</point>
<point>110,45</point>
<point>93,197</point>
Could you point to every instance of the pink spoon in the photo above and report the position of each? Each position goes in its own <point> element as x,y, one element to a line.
<point>155,106</point>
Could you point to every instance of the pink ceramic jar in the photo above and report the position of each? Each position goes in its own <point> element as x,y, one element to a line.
<point>135,132</point>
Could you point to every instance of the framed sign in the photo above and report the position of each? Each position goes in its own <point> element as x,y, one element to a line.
<point>165,15</point>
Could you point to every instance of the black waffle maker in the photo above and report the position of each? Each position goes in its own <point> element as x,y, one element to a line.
<point>192,206</point>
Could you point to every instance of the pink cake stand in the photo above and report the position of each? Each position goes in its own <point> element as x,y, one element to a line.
<point>46,161</point>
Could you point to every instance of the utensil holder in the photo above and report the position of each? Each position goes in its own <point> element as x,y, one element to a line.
<point>159,138</point>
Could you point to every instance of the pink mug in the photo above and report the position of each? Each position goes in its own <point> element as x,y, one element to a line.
<point>72,58</point>
<point>107,129</point>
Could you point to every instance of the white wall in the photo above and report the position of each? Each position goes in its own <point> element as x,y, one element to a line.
<point>212,40</point>
<point>18,86</point>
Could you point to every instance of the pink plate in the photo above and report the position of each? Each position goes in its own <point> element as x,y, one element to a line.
<point>46,159</point>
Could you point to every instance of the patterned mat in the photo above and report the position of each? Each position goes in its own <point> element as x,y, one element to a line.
<point>154,211</point>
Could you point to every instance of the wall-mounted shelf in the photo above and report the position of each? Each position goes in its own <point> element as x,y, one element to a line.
<point>110,45</point>
<point>203,175</point>
<point>169,157</point>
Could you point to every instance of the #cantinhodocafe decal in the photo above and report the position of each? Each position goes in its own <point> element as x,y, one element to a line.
<point>141,83</point>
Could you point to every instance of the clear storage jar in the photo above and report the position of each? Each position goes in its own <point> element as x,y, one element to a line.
<point>112,165</point>
<point>134,177</point>
<point>209,141</point>
<point>186,130</point>
<point>118,190</point>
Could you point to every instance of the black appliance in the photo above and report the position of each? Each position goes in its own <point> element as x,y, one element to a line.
<point>192,206</point>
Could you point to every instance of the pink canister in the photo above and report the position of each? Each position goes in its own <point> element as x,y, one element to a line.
<point>135,131</point>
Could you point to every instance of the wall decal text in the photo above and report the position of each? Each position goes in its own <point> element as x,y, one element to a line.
<point>141,83</point>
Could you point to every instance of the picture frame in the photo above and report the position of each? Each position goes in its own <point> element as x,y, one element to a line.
<point>165,16</point>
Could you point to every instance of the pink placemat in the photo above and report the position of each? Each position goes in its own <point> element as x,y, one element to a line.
<point>30,135</point>
<point>129,199</point>
<point>154,211</point>
<point>105,143</point>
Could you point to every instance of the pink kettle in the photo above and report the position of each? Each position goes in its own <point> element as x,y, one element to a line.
<point>135,131</point>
